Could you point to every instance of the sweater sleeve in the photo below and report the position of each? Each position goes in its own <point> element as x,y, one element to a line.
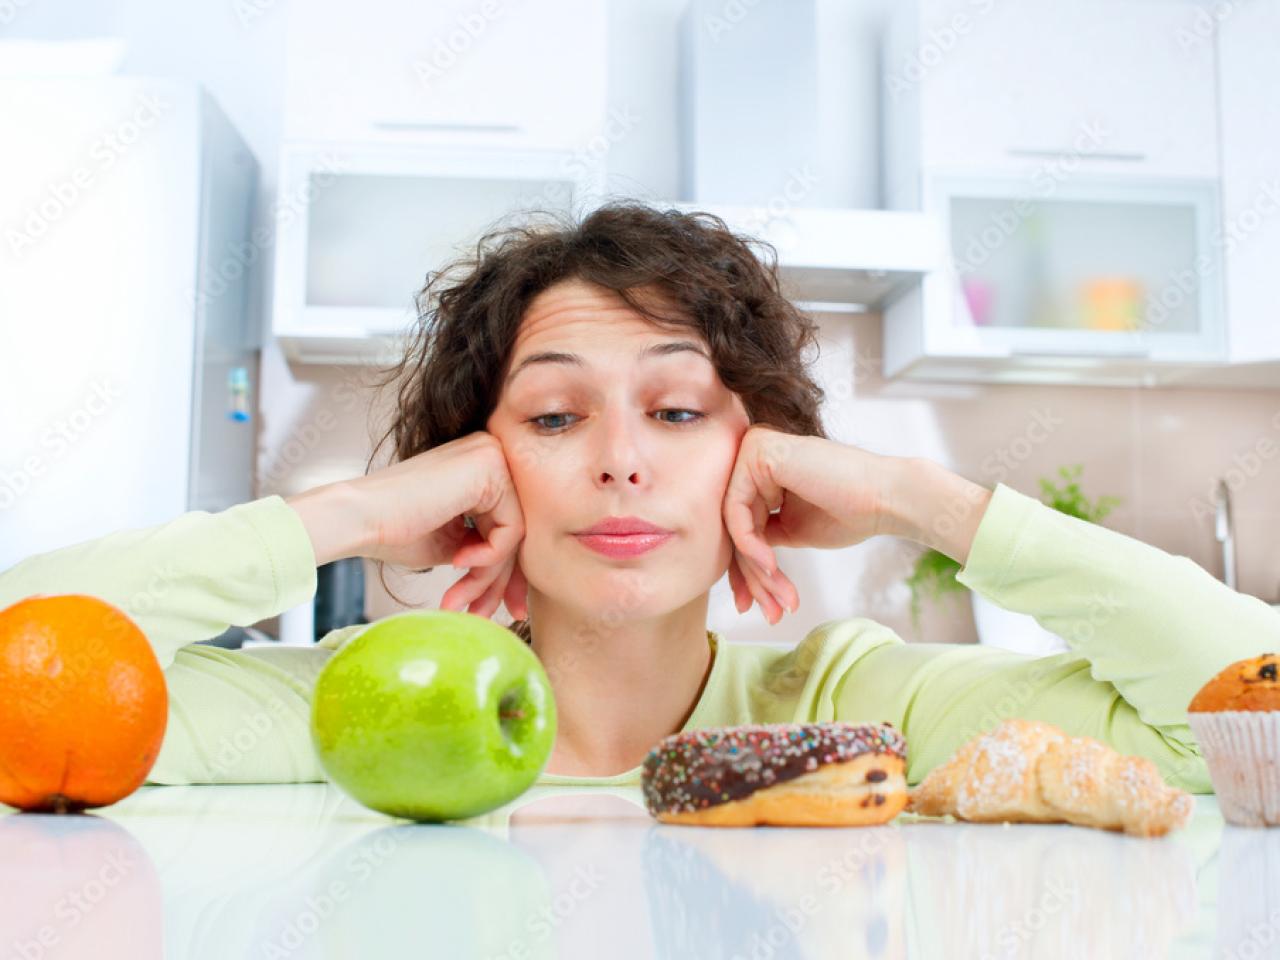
<point>1146,629</point>
<point>188,579</point>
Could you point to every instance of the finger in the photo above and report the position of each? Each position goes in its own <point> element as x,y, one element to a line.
<point>779,585</point>
<point>516,596</point>
<point>467,588</point>
<point>742,508</point>
<point>775,534</point>
<point>462,553</point>
<point>783,589</point>
<point>768,605</point>
<point>487,603</point>
<point>488,544</point>
<point>738,584</point>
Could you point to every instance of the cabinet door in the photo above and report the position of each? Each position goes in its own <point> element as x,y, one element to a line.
<point>1102,267</point>
<point>358,229</point>
<point>1103,85</point>
<point>472,71</point>
<point>1248,44</point>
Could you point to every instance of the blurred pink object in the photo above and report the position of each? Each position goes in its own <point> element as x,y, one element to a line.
<point>978,294</point>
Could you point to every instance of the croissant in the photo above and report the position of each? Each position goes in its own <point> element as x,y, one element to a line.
<point>1026,770</point>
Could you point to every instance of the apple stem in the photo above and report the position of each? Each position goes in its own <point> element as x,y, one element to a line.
<point>518,714</point>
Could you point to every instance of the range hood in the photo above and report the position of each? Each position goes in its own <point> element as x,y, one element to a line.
<point>840,260</point>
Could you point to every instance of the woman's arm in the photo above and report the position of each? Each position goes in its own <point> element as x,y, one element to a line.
<point>1146,629</point>
<point>334,518</point>
<point>925,502</point>
<point>187,579</point>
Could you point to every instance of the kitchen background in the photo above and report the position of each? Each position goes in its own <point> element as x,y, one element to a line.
<point>882,146</point>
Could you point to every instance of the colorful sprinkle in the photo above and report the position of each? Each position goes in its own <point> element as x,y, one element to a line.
<point>696,769</point>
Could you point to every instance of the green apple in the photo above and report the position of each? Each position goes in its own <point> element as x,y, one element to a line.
<point>433,715</point>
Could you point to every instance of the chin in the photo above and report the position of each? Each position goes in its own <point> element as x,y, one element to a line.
<point>616,594</point>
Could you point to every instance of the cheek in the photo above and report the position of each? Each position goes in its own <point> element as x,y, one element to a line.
<point>707,478</point>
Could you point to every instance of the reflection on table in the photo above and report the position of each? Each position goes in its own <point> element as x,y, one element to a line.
<point>302,871</point>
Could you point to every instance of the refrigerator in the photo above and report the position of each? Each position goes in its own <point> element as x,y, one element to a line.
<point>128,360</point>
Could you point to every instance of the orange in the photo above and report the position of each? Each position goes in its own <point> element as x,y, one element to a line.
<point>84,706</point>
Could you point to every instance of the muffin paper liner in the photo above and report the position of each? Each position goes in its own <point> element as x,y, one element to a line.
<point>1242,750</point>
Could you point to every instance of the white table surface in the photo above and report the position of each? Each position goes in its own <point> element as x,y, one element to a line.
<point>300,870</point>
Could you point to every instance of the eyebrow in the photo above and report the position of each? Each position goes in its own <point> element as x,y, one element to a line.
<point>664,349</point>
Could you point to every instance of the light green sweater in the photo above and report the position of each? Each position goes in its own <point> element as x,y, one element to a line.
<point>1146,630</point>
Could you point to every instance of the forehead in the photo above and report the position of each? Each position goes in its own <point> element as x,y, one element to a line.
<point>574,309</point>
<point>574,320</point>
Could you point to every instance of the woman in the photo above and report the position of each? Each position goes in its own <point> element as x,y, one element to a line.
<point>643,366</point>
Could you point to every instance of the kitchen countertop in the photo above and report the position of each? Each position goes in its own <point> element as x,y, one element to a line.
<point>300,870</point>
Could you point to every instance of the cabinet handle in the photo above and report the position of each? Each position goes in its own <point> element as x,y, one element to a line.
<point>455,127</point>
<point>1129,157</point>
<point>1091,354</point>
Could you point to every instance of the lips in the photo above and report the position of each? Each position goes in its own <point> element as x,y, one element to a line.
<point>621,527</point>
<point>621,537</point>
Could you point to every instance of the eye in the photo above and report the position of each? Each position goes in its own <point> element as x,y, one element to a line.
<point>692,416</point>
<point>547,428</point>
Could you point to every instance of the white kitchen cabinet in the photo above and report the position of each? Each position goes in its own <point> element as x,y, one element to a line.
<point>1071,153</point>
<point>1047,89</point>
<point>359,227</point>
<point>455,71</point>
<point>1249,76</point>
<point>1106,280</point>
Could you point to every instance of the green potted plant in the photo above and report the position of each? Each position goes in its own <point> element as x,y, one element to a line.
<point>934,575</point>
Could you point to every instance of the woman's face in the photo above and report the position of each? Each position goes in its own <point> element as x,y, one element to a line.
<point>600,416</point>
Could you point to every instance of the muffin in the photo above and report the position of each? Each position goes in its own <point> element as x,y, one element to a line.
<point>1236,719</point>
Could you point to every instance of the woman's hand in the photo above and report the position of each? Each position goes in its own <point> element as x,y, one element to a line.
<point>412,514</point>
<point>826,494</point>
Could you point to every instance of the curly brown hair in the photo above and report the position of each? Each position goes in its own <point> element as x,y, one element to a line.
<point>707,279</point>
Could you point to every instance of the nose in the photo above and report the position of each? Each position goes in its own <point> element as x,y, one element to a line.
<point>619,457</point>
<point>607,477</point>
